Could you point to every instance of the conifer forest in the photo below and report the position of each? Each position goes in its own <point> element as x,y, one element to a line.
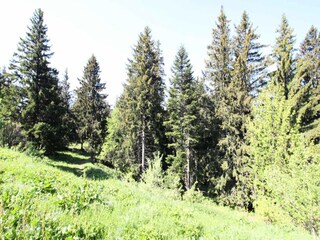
<point>245,135</point>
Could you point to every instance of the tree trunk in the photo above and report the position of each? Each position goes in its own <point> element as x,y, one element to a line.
<point>92,157</point>
<point>188,180</point>
<point>143,145</point>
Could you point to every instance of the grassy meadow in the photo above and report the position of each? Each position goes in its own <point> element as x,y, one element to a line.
<point>67,197</point>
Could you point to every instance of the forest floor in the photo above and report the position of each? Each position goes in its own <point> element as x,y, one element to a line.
<point>68,197</point>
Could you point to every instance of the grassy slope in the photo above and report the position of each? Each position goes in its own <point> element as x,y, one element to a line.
<point>69,198</point>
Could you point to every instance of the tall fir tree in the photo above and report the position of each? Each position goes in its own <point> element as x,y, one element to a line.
<point>8,98</point>
<point>65,91</point>
<point>183,111</point>
<point>248,75</point>
<point>41,99</point>
<point>141,106</point>
<point>206,168</point>
<point>68,120</point>
<point>218,66</point>
<point>146,95</point>
<point>283,54</point>
<point>218,75</point>
<point>10,128</point>
<point>90,108</point>
<point>249,64</point>
<point>310,52</point>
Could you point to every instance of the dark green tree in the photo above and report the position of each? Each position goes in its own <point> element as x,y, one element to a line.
<point>41,115</point>
<point>10,127</point>
<point>283,54</point>
<point>68,119</point>
<point>249,65</point>
<point>65,91</point>
<point>141,106</point>
<point>248,75</point>
<point>90,108</point>
<point>310,110</point>
<point>8,97</point>
<point>218,67</point>
<point>218,75</point>
<point>182,120</point>
<point>207,168</point>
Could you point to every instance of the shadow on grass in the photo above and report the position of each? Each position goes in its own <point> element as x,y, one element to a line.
<point>97,174</point>
<point>88,172</point>
<point>61,160</point>
<point>67,158</point>
<point>79,151</point>
<point>76,171</point>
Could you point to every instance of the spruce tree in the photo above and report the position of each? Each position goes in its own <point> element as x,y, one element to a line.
<point>283,56</point>
<point>218,66</point>
<point>310,52</point>
<point>68,121</point>
<point>8,94</point>
<point>182,121</point>
<point>249,65</point>
<point>10,128</point>
<point>41,103</point>
<point>146,95</point>
<point>206,168</point>
<point>90,108</point>
<point>248,75</point>
<point>218,75</point>
<point>141,106</point>
<point>65,91</point>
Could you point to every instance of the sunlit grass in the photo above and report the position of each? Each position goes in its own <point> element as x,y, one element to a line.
<point>67,197</point>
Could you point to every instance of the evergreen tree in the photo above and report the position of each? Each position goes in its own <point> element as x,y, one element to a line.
<point>182,120</point>
<point>41,99</point>
<point>10,95</point>
<point>249,65</point>
<point>247,76</point>
<point>218,67</point>
<point>90,108</point>
<point>10,128</point>
<point>68,119</point>
<point>206,167</point>
<point>65,91</point>
<point>218,75</point>
<point>283,56</point>
<point>310,52</point>
<point>141,106</point>
<point>6,96</point>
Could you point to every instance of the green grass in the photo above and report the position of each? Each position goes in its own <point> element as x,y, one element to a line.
<point>67,197</point>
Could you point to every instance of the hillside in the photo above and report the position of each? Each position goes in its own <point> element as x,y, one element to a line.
<point>67,197</point>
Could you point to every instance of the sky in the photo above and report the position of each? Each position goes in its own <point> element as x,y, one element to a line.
<point>109,29</point>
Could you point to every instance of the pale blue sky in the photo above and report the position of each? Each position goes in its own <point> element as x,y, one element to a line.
<point>109,29</point>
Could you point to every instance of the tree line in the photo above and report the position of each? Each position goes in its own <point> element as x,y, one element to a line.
<point>246,133</point>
